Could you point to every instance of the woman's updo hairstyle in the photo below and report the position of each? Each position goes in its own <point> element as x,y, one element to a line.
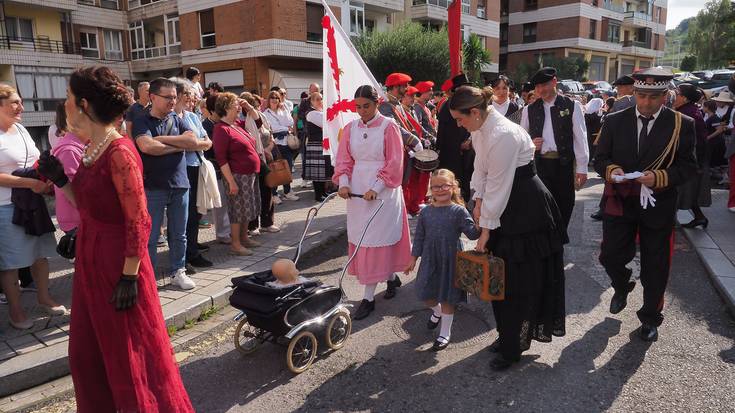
<point>466,98</point>
<point>107,95</point>
<point>367,92</point>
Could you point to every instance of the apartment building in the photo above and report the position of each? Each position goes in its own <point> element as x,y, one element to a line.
<point>615,36</point>
<point>242,44</point>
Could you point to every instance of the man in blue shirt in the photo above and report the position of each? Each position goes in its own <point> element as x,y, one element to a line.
<point>138,108</point>
<point>162,138</point>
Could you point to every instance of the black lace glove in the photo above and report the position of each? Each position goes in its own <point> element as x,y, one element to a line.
<point>50,167</point>
<point>126,292</point>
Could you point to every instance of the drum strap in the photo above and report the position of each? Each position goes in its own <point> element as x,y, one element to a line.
<point>416,126</point>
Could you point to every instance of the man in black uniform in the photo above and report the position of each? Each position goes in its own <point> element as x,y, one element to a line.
<point>556,125</point>
<point>658,142</point>
<point>453,143</point>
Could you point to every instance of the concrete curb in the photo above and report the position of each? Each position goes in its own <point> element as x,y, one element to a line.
<point>720,269</point>
<point>27,371</point>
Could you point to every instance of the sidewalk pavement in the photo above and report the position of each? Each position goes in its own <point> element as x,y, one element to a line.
<point>32,357</point>
<point>715,245</point>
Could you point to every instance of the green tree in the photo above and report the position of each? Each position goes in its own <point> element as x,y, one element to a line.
<point>688,63</point>
<point>566,68</point>
<point>712,34</point>
<point>474,57</point>
<point>409,48</point>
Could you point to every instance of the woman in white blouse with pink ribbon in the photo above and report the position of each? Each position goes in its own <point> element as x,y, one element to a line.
<point>520,223</point>
<point>370,163</point>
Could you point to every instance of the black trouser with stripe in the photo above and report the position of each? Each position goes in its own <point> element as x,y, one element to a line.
<point>618,249</point>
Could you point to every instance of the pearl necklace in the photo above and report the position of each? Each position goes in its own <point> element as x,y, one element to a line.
<point>89,158</point>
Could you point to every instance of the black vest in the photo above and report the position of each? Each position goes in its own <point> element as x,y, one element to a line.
<point>562,125</point>
<point>314,132</point>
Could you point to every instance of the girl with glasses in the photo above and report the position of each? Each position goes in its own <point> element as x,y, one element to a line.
<point>436,241</point>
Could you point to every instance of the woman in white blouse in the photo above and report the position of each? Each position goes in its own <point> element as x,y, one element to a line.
<point>281,125</point>
<point>501,96</point>
<point>520,223</point>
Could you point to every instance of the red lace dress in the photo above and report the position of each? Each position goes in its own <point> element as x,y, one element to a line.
<point>121,361</point>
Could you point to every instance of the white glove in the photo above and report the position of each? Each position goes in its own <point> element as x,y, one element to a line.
<point>647,197</point>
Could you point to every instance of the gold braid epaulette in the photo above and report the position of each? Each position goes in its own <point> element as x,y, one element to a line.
<point>609,169</point>
<point>657,166</point>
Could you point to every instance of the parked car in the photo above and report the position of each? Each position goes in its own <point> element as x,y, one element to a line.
<point>703,74</point>
<point>715,84</point>
<point>598,87</point>
<point>571,87</point>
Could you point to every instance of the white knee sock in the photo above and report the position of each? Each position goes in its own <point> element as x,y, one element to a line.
<point>370,292</point>
<point>446,325</point>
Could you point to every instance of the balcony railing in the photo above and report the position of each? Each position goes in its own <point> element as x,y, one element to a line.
<point>440,3</point>
<point>155,52</point>
<point>609,5</point>
<point>636,43</point>
<point>39,44</point>
<point>637,15</point>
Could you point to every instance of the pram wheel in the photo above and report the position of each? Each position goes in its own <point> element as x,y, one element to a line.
<point>247,338</point>
<point>338,330</point>
<point>301,352</point>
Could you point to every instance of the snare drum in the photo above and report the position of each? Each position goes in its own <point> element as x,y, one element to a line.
<point>426,160</point>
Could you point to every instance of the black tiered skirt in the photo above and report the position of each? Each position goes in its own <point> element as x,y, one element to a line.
<point>529,240</point>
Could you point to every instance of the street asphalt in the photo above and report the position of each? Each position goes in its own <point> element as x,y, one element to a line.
<point>598,366</point>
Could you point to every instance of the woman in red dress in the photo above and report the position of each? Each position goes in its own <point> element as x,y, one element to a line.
<point>119,352</point>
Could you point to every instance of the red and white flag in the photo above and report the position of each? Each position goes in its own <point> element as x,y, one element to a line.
<point>344,72</point>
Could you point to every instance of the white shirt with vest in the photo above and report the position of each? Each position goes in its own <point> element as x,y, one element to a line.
<point>579,128</point>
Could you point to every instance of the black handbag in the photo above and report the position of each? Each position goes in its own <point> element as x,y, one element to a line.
<point>67,245</point>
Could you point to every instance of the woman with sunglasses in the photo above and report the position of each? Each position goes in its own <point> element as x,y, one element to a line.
<point>370,164</point>
<point>281,125</point>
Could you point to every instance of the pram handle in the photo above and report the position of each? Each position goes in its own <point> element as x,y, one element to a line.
<point>359,243</point>
<point>309,219</point>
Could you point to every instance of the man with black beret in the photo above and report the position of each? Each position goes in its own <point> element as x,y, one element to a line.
<point>556,125</point>
<point>624,87</point>
<point>658,142</point>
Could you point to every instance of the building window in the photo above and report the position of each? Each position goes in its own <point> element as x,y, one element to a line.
<point>529,32</point>
<point>138,3</point>
<point>137,40</point>
<point>90,47</point>
<point>597,68</point>
<point>173,36</point>
<point>42,88</point>
<point>482,9</point>
<point>314,14</point>
<point>466,6</point>
<point>19,29</point>
<point>530,4</point>
<point>593,29</point>
<point>206,28</point>
<point>113,45</point>
<point>369,26</point>
<point>109,4</point>
<point>357,19</point>
<point>503,34</point>
<point>656,38</point>
<point>613,33</point>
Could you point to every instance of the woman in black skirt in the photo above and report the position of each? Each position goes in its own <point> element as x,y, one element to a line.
<point>317,166</point>
<point>520,223</point>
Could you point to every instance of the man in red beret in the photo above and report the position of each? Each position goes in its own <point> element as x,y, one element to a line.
<point>424,94</point>
<point>417,185</point>
<point>396,85</point>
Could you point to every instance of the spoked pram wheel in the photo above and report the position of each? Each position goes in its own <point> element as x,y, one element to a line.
<point>301,352</point>
<point>247,338</point>
<point>338,330</point>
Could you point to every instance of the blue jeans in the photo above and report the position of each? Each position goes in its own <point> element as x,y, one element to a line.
<point>176,204</point>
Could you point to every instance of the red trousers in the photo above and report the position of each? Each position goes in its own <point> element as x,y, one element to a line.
<point>414,191</point>
<point>731,198</point>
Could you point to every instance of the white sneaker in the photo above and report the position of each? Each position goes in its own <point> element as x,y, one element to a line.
<point>291,197</point>
<point>271,228</point>
<point>277,200</point>
<point>254,232</point>
<point>731,209</point>
<point>305,184</point>
<point>181,280</point>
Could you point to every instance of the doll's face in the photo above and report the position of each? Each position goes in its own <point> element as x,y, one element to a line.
<point>285,271</point>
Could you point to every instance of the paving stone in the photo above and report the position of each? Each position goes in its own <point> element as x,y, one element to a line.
<point>52,336</point>
<point>172,294</point>
<point>699,238</point>
<point>726,287</point>
<point>25,344</point>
